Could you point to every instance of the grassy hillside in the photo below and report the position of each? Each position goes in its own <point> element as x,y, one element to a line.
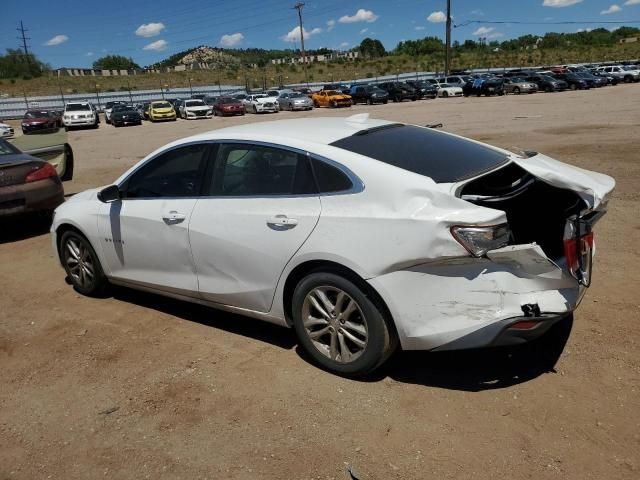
<point>346,71</point>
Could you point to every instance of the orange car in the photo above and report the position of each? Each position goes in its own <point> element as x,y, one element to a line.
<point>331,98</point>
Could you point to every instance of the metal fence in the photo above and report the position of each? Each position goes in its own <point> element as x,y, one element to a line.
<point>13,108</point>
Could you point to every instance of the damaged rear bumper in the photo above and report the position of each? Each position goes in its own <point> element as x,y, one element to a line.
<point>472,302</point>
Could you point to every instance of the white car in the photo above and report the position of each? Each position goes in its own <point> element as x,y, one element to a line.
<point>6,130</point>
<point>195,108</point>
<point>446,90</point>
<point>261,103</point>
<point>80,114</point>
<point>318,224</point>
<point>625,73</point>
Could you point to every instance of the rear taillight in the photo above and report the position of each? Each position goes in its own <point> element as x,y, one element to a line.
<point>478,240</point>
<point>578,252</point>
<point>45,171</point>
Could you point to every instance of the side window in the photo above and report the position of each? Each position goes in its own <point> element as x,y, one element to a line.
<point>176,173</point>
<point>329,178</point>
<point>255,170</point>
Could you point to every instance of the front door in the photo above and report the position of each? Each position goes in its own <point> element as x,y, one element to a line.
<point>262,206</point>
<point>145,236</point>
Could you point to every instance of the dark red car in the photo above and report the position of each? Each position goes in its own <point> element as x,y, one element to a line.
<point>39,120</point>
<point>228,106</point>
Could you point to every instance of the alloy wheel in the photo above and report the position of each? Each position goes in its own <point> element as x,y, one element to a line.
<point>335,324</point>
<point>80,262</point>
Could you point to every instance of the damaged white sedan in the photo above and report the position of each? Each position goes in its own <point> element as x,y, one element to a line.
<point>360,234</point>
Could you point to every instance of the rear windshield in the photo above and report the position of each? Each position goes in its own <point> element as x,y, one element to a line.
<point>424,151</point>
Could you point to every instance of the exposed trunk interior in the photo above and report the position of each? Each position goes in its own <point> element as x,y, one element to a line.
<point>536,211</point>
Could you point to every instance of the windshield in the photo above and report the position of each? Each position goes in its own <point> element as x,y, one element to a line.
<point>297,95</point>
<point>36,114</point>
<point>228,100</point>
<point>424,151</point>
<point>332,92</point>
<point>161,105</point>
<point>262,95</point>
<point>78,107</point>
<point>517,80</point>
<point>194,103</point>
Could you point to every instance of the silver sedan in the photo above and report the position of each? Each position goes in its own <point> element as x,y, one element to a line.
<point>294,101</point>
<point>517,85</point>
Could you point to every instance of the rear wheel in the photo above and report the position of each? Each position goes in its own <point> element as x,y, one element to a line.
<point>82,265</point>
<point>516,91</point>
<point>340,326</point>
<point>445,94</point>
<point>572,86</point>
<point>333,104</point>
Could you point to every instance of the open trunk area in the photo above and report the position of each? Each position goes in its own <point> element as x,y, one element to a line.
<point>536,211</point>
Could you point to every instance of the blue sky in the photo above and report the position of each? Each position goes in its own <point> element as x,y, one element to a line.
<point>74,33</point>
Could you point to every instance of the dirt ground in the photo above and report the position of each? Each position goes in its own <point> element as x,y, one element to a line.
<point>137,386</point>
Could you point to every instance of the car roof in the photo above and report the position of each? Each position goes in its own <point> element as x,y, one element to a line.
<point>322,130</point>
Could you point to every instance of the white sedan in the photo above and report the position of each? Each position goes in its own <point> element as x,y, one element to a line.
<point>447,90</point>
<point>318,224</point>
<point>195,108</point>
<point>261,103</point>
<point>6,130</point>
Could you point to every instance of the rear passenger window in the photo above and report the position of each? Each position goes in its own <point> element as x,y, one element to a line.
<point>329,178</point>
<point>255,170</point>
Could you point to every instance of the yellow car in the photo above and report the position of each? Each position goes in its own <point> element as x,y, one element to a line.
<point>331,98</point>
<point>161,110</point>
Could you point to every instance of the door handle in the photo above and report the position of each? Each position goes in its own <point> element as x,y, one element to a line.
<point>282,222</point>
<point>173,217</point>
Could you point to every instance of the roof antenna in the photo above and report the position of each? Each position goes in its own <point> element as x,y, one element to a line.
<point>358,118</point>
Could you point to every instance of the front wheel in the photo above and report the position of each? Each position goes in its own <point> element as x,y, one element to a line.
<point>333,104</point>
<point>340,326</point>
<point>445,94</point>
<point>82,265</point>
<point>516,91</point>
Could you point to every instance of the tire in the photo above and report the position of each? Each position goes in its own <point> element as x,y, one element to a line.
<point>445,94</point>
<point>255,110</point>
<point>68,167</point>
<point>397,99</point>
<point>369,339</point>
<point>316,104</point>
<point>384,102</point>
<point>572,86</point>
<point>66,129</point>
<point>72,247</point>
<point>628,79</point>
<point>333,104</point>
<point>516,91</point>
<point>548,89</point>
<point>369,102</point>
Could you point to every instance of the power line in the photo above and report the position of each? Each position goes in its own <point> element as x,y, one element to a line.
<point>518,22</point>
<point>447,63</point>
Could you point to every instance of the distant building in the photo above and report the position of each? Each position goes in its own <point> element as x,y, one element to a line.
<point>316,58</point>
<point>629,40</point>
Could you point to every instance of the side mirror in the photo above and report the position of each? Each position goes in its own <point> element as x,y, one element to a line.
<point>109,194</point>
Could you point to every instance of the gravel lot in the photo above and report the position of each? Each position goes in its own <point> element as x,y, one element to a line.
<point>137,386</point>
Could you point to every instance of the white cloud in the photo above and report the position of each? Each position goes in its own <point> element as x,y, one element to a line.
<point>632,2</point>
<point>612,9</point>
<point>294,35</point>
<point>559,3</point>
<point>89,54</point>
<point>488,32</point>
<point>584,30</point>
<point>148,30</point>
<point>361,15</point>
<point>363,31</point>
<point>157,46</point>
<point>437,17</point>
<point>478,12</point>
<point>231,40</point>
<point>344,45</point>
<point>419,28</point>
<point>57,40</point>
<point>330,24</point>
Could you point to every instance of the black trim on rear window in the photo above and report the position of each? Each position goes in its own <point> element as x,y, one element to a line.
<point>424,151</point>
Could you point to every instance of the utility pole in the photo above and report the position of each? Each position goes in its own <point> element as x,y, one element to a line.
<point>298,6</point>
<point>447,64</point>
<point>24,39</point>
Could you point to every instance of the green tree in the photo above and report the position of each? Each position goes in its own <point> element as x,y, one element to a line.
<point>16,64</point>
<point>115,62</point>
<point>370,48</point>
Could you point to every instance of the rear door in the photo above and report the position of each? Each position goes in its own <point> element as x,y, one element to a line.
<point>261,207</point>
